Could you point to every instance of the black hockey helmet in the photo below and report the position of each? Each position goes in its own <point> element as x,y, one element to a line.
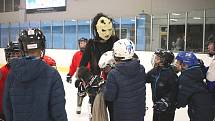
<point>167,57</point>
<point>82,39</point>
<point>30,39</point>
<point>12,50</point>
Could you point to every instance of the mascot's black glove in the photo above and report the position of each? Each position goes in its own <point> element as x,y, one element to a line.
<point>68,78</point>
<point>77,83</point>
<point>161,105</point>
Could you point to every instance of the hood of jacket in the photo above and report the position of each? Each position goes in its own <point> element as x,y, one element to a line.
<point>194,74</point>
<point>129,68</point>
<point>27,69</point>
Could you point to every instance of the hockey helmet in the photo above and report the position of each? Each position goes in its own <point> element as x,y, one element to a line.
<point>166,56</point>
<point>82,39</point>
<point>30,39</point>
<point>82,42</point>
<point>188,58</point>
<point>12,51</point>
<point>106,59</point>
<point>123,49</point>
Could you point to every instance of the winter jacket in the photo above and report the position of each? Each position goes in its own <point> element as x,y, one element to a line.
<point>193,92</point>
<point>125,88</point>
<point>164,85</point>
<point>4,72</point>
<point>93,52</point>
<point>34,92</point>
<point>48,60</point>
<point>75,63</point>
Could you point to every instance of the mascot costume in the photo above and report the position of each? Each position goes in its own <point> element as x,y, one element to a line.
<point>104,37</point>
<point>103,40</point>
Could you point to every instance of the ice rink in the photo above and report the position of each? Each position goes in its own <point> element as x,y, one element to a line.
<point>71,92</point>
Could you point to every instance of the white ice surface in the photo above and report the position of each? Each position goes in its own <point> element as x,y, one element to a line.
<point>71,99</point>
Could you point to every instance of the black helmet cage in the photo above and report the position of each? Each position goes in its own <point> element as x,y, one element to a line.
<point>166,56</point>
<point>12,47</point>
<point>32,39</point>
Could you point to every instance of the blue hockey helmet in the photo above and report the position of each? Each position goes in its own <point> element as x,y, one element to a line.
<point>187,58</point>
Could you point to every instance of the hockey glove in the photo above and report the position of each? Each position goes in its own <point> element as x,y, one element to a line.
<point>69,78</point>
<point>161,105</point>
<point>77,83</point>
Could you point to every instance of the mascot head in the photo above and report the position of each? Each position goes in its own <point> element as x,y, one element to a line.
<point>102,27</point>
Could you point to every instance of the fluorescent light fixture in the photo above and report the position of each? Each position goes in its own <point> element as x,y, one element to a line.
<point>142,18</point>
<point>176,14</point>
<point>173,20</point>
<point>196,18</point>
<point>73,20</point>
<point>132,19</point>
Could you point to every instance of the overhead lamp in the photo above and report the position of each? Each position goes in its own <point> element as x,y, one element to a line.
<point>173,20</point>
<point>176,14</point>
<point>196,18</point>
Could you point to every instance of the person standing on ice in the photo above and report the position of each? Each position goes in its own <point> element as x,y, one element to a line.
<point>163,81</point>
<point>34,90</point>
<point>82,42</point>
<point>125,85</point>
<point>11,52</point>
<point>192,90</point>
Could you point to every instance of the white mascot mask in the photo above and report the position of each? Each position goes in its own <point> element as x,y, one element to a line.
<point>104,28</point>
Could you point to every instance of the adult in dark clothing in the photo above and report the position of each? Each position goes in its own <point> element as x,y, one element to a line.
<point>104,38</point>
<point>125,86</point>
<point>34,90</point>
<point>163,81</point>
<point>192,89</point>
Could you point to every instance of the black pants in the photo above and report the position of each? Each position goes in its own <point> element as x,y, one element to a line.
<point>163,116</point>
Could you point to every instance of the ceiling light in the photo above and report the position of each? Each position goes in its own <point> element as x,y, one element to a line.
<point>196,18</point>
<point>176,14</point>
<point>173,20</point>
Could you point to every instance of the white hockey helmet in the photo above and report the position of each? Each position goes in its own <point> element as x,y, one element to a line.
<point>124,48</point>
<point>106,59</point>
